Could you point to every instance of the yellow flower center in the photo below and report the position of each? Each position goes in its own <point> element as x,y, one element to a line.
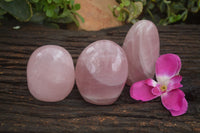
<point>163,88</point>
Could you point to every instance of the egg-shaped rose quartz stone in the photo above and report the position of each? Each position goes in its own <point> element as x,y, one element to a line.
<point>101,72</point>
<point>50,73</point>
<point>142,48</point>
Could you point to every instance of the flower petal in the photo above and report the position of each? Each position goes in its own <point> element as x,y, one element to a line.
<point>174,83</point>
<point>182,110</point>
<point>156,91</point>
<point>168,65</point>
<point>141,91</point>
<point>173,101</point>
<point>151,82</point>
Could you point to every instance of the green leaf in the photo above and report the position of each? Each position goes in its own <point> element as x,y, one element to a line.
<point>65,13</point>
<point>151,5</point>
<point>194,9</point>
<point>121,5</point>
<point>80,17</point>
<point>67,2</point>
<point>2,12</point>
<point>184,15</point>
<point>71,3</point>
<point>118,8</point>
<point>162,7</point>
<point>20,9</point>
<point>8,0</point>
<point>126,2</point>
<point>190,3</point>
<point>35,1</point>
<point>135,9</point>
<point>198,4</point>
<point>144,2</point>
<point>120,17</point>
<point>77,6</point>
<point>57,1</point>
<point>74,19</point>
<point>178,6</point>
<point>163,22</point>
<point>38,17</point>
<point>167,1</point>
<point>49,1</point>
<point>49,12</point>
<point>174,18</point>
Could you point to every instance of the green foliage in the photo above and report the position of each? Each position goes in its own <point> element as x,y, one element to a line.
<point>58,11</point>
<point>50,11</point>
<point>127,10</point>
<point>20,9</point>
<point>162,12</point>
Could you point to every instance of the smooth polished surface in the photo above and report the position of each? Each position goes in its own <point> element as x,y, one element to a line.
<point>19,112</point>
<point>142,46</point>
<point>50,73</point>
<point>101,72</point>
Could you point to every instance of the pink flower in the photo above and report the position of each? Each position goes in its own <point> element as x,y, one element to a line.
<point>167,85</point>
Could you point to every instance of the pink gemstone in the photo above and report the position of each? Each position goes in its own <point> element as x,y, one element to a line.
<point>142,48</point>
<point>101,72</point>
<point>50,73</point>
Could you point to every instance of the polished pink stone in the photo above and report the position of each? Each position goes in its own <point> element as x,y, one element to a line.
<point>50,73</point>
<point>142,48</point>
<point>101,72</point>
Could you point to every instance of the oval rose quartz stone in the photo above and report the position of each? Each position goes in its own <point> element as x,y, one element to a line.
<point>142,48</point>
<point>101,72</point>
<point>50,73</point>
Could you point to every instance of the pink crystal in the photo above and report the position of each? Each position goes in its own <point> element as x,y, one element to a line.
<point>50,73</point>
<point>101,72</point>
<point>142,48</point>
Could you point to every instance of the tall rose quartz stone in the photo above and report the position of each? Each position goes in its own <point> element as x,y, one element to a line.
<point>50,73</point>
<point>101,72</point>
<point>142,48</point>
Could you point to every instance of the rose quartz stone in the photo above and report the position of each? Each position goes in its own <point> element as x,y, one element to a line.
<point>50,73</point>
<point>101,72</point>
<point>142,48</point>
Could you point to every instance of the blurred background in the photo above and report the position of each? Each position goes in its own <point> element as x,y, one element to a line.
<point>94,15</point>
